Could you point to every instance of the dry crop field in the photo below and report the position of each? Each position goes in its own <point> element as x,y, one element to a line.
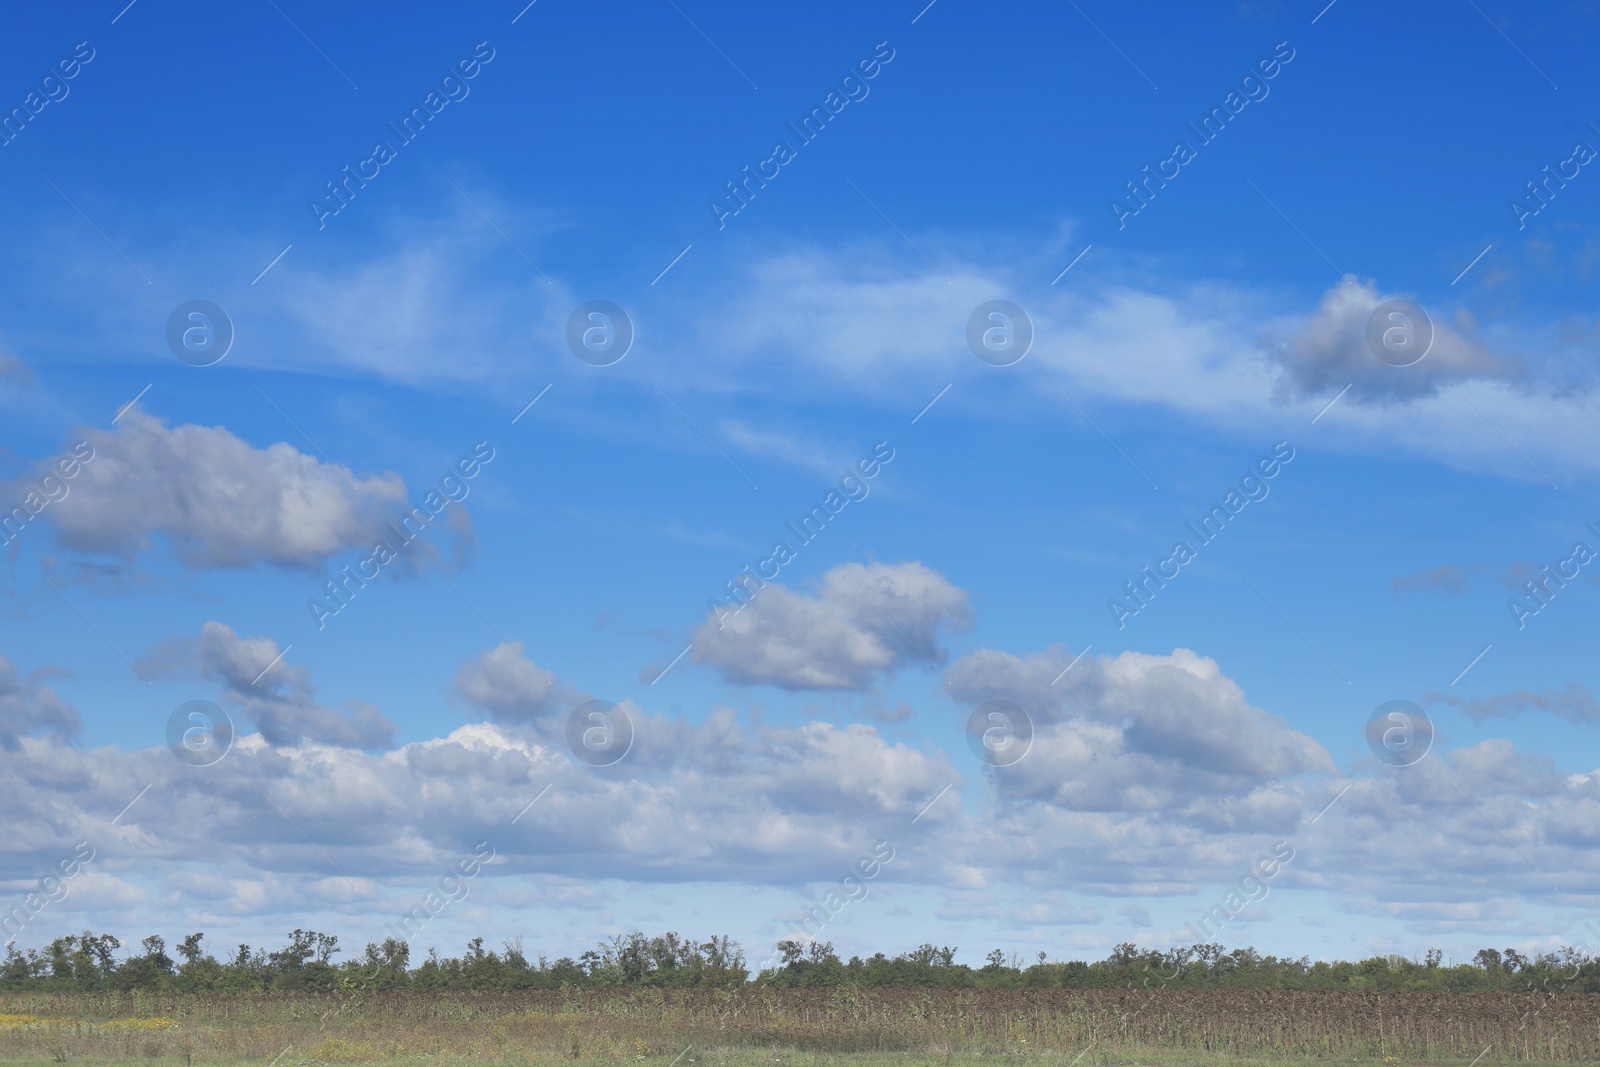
<point>731,1028</point>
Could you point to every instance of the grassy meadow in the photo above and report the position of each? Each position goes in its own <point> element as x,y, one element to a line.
<point>798,1027</point>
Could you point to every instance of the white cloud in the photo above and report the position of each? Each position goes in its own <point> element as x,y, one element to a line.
<point>858,321</point>
<point>95,890</point>
<point>27,707</point>
<point>786,448</point>
<point>1472,824</point>
<point>1330,351</point>
<point>858,318</point>
<point>1136,732</point>
<point>511,687</point>
<point>1147,774</point>
<point>276,696</point>
<point>864,621</point>
<point>422,312</point>
<point>785,802</point>
<point>1222,354</point>
<point>220,501</point>
<point>1573,702</point>
<point>1154,795</point>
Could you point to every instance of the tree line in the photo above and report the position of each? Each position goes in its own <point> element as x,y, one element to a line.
<point>306,963</point>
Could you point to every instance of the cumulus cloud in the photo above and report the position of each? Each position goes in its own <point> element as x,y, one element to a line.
<point>1031,681</point>
<point>97,890</point>
<point>1142,733</point>
<point>1331,351</point>
<point>1573,702</point>
<point>27,707</point>
<point>1474,824</point>
<point>1486,822</point>
<point>277,697</point>
<point>784,803</point>
<point>511,687</point>
<point>864,621</point>
<point>219,501</point>
<point>1158,806</point>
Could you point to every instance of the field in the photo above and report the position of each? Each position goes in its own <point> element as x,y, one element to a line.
<point>801,1028</point>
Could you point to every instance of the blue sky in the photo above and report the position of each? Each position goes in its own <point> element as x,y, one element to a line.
<point>1368,154</point>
